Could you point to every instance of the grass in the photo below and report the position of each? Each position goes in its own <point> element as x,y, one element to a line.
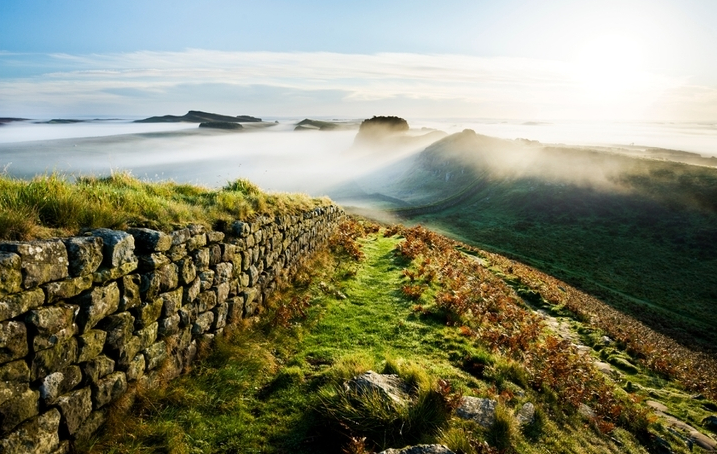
<point>276,385</point>
<point>53,205</point>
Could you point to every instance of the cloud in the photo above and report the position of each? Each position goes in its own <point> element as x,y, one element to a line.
<point>323,83</point>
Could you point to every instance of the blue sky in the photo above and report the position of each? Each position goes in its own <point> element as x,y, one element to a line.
<point>520,59</point>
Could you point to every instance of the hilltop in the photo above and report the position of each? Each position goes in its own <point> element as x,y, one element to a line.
<point>197,116</point>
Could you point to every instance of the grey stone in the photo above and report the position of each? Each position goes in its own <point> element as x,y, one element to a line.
<point>251,301</point>
<point>419,449</point>
<point>148,312</point>
<point>152,261</point>
<point>246,258</point>
<point>124,355</point>
<point>58,383</point>
<point>18,403</point>
<point>206,301</point>
<point>220,316</point>
<point>117,248</point>
<point>40,261</point>
<point>197,241</point>
<point>192,291</point>
<point>241,229</point>
<point>215,237</point>
<point>13,341</point>
<point>526,414</point>
<point>148,240</point>
<point>148,335</point>
<point>235,309</point>
<point>36,436</point>
<point>224,272</point>
<point>90,345</point>
<point>129,292</point>
<point>196,229</point>
<point>201,259</point>
<point>389,386</point>
<point>207,279</point>
<point>155,355</point>
<point>96,305</point>
<point>187,315</point>
<point>108,389</point>
<point>172,301</point>
<point>187,271</point>
<point>203,323</point>
<point>253,276</point>
<point>91,425</point>
<point>53,359</point>
<point>136,368</point>
<point>68,288</point>
<point>169,326</point>
<point>249,241</point>
<point>222,291</point>
<point>228,252</point>
<point>75,407</point>
<point>105,275</point>
<point>180,236</point>
<point>160,280</point>
<point>119,327</point>
<point>97,368</point>
<point>215,254</point>
<point>10,273</point>
<point>15,372</point>
<point>480,410</point>
<point>177,252</point>
<point>16,304</point>
<point>51,325</point>
<point>84,254</point>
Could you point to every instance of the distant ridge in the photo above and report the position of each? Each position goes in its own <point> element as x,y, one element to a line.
<point>197,116</point>
<point>4,120</point>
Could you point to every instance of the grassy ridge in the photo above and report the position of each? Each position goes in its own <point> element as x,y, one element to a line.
<point>52,205</point>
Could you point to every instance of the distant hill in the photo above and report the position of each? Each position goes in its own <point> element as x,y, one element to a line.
<point>221,125</point>
<point>196,116</point>
<point>308,124</point>
<point>10,120</point>
<point>377,128</point>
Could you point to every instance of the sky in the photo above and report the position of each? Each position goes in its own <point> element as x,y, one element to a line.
<point>627,60</point>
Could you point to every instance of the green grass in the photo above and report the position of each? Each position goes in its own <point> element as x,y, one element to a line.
<point>279,389</point>
<point>53,205</point>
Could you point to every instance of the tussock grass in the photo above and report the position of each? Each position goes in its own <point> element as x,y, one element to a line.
<point>53,205</point>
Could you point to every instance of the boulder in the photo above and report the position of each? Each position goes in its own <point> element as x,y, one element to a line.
<point>148,240</point>
<point>40,261</point>
<point>117,248</point>
<point>84,254</point>
<point>525,414</point>
<point>480,410</point>
<point>389,386</point>
<point>36,436</point>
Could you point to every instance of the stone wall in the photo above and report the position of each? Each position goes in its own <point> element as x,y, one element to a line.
<point>82,318</point>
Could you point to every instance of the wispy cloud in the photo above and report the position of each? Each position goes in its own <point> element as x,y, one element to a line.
<point>335,83</point>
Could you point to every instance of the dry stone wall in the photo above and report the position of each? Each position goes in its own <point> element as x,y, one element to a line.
<point>82,318</point>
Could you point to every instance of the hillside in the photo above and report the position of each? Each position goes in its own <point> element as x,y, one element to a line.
<point>640,233</point>
<point>197,116</point>
<point>457,326</point>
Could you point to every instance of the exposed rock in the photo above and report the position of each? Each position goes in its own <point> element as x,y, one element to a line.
<point>40,261</point>
<point>387,385</point>
<point>13,341</point>
<point>105,275</point>
<point>215,237</point>
<point>51,325</point>
<point>196,242</point>
<point>222,291</point>
<point>117,248</point>
<point>221,125</point>
<point>479,410</point>
<point>19,303</point>
<point>419,449</point>
<point>223,272</point>
<point>526,414</point>
<point>96,305</point>
<point>171,302</point>
<point>148,240</point>
<point>152,261</point>
<point>235,309</point>
<point>75,407</point>
<point>36,436</point>
<point>109,389</point>
<point>187,271</point>
<point>10,273</point>
<point>206,301</point>
<point>207,279</point>
<point>251,301</point>
<point>84,253</point>
<point>220,316</point>
<point>192,291</point>
<point>169,326</point>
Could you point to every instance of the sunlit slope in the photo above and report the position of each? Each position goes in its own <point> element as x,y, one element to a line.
<point>641,233</point>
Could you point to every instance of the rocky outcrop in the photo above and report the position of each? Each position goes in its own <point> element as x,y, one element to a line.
<point>477,409</point>
<point>84,319</point>
<point>419,449</point>
<point>389,386</point>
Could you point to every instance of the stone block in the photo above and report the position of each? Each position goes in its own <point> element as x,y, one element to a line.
<point>18,403</point>
<point>201,259</point>
<point>96,304</point>
<point>15,372</point>
<point>220,316</point>
<point>59,383</point>
<point>90,345</point>
<point>129,292</point>
<point>187,315</point>
<point>251,301</point>
<point>53,359</point>
<point>155,355</point>
<point>18,303</point>
<point>91,425</point>
<point>40,261</point>
<point>207,279</point>
<point>61,290</point>
<point>148,240</point>
<point>148,262</point>
<point>215,237</point>
<point>10,273</point>
<point>104,275</point>
<point>246,258</point>
<point>196,229</point>
<point>203,323</point>
<point>244,280</point>
<point>126,353</point>
<point>172,301</point>
<point>215,254</point>
<point>228,252</point>
<point>206,301</point>
<point>253,273</point>
<point>13,341</point>
<point>119,327</point>
<point>235,309</point>
<point>117,248</point>
<point>169,326</point>
<point>97,368</point>
<point>180,236</point>
<point>249,241</point>
<point>241,229</point>
<point>51,325</point>
<point>147,335</point>
<point>136,368</point>
<point>192,291</point>
<point>222,291</point>
<point>168,277</point>
<point>187,270</point>
<point>84,254</point>
<point>196,242</point>
<point>75,408</point>
<point>177,252</point>
<point>148,312</point>
<point>223,272</point>
<point>38,435</point>
<point>108,389</point>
